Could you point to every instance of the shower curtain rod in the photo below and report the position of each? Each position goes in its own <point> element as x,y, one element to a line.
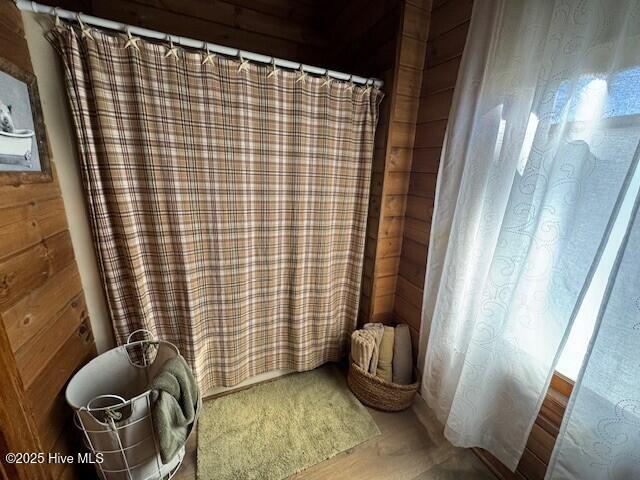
<point>190,42</point>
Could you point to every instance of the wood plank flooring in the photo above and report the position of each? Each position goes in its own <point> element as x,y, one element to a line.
<point>410,447</point>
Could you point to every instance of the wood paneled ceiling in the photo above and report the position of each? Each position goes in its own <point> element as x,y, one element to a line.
<point>311,31</point>
<point>288,29</point>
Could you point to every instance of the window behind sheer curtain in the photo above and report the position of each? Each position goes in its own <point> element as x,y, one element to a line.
<point>620,98</point>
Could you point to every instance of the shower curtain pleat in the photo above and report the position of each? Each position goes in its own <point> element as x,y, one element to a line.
<point>228,208</point>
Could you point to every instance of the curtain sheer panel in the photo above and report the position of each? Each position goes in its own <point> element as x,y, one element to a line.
<point>600,435</point>
<point>538,149</point>
<point>228,205</point>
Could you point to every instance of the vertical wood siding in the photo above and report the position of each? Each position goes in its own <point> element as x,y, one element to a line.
<point>45,333</point>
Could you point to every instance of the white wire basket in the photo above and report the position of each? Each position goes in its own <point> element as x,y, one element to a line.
<point>112,403</point>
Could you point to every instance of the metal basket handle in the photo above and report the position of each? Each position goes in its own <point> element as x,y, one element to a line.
<point>145,344</point>
<point>140,330</point>
<point>110,411</point>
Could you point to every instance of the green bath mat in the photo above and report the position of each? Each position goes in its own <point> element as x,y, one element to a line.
<point>276,429</point>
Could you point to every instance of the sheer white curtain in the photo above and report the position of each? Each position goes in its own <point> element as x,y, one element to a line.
<point>539,147</point>
<point>600,435</point>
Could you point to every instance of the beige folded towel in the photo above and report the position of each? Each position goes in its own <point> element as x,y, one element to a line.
<point>402,357</point>
<point>362,344</point>
<point>385,358</point>
<point>378,330</point>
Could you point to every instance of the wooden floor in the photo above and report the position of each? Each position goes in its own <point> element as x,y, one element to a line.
<point>410,447</point>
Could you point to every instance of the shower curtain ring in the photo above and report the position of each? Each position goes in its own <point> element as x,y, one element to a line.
<point>303,75</point>
<point>327,79</point>
<point>244,64</point>
<point>208,58</point>
<point>131,41</point>
<point>85,31</point>
<point>56,17</point>
<point>274,69</point>
<point>352,84</point>
<point>172,51</point>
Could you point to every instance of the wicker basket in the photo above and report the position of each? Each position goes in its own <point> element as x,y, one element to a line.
<point>378,394</point>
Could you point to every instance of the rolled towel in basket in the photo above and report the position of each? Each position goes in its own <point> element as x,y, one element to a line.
<point>385,360</point>
<point>402,357</point>
<point>378,330</point>
<point>362,345</point>
<point>176,405</point>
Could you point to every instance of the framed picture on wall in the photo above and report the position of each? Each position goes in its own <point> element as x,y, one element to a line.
<point>24,155</point>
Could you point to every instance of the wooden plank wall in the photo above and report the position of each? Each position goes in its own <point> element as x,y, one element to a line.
<point>361,37</point>
<point>395,177</point>
<point>365,43</point>
<point>285,28</point>
<point>385,39</point>
<point>45,333</point>
<point>446,40</point>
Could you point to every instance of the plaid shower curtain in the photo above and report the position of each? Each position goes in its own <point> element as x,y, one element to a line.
<point>228,207</point>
